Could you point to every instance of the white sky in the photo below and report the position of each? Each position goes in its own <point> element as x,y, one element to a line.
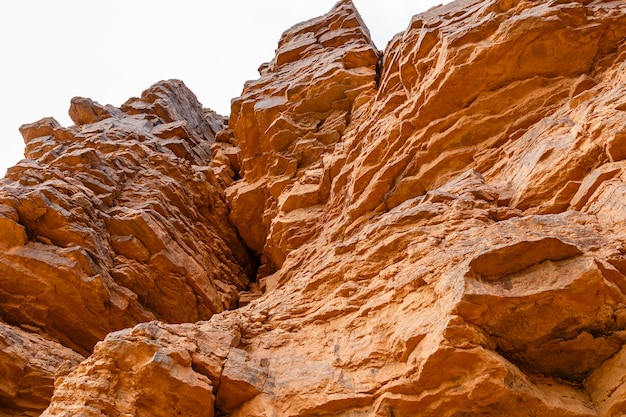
<point>51,51</point>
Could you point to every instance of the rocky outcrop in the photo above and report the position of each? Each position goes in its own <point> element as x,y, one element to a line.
<point>289,121</point>
<point>441,233</point>
<point>153,369</point>
<point>117,220</point>
<point>29,365</point>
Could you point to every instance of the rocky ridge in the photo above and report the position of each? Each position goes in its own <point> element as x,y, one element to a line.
<point>439,230</point>
<point>117,220</point>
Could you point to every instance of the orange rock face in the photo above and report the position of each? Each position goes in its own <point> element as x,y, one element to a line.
<point>117,220</point>
<point>439,227</point>
<point>289,121</point>
<point>29,364</point>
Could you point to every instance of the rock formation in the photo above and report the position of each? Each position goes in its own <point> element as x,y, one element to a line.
<point>438,230</point>
<point>288,121</point>
<point>117,220</point>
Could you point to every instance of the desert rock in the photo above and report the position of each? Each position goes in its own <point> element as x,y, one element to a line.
<point>287,121</point>
<point>29,364</point>
<point>439,226</point>
<point>118,220</point>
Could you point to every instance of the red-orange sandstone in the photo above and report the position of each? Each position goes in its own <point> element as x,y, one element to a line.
<point>437,230</point>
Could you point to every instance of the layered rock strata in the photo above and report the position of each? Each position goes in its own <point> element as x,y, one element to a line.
<point>29,365</point>
<point>441,233</point>
<point>117,220</point>
<point>288,122</point>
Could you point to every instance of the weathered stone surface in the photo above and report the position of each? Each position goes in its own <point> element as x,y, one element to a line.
<point>606,386</point>
<point>153,369</point>
<point>86,111</point>
<point>288,119</point>
<point>509,258</point>
<point>117,220</point>
<point>445,240</point>
<point>29,365</point>
<point>241,380</point>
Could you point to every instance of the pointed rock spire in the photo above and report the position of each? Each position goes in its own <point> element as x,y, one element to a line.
<point>341,26</point>
<point>285,122</point>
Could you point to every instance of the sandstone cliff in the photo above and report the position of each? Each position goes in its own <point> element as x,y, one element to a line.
<point>437,230</point>
<point>117,220</point>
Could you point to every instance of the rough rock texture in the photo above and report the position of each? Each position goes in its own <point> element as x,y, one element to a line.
<point>153,369</point>
<point>288,121</point>
<point>441,233</point>
<point>117,220</point>
<point>28,365</point>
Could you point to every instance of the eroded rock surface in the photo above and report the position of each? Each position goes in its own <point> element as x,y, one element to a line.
<point>153,369</point>
<point>442,233</point>
<point>117,220</point>
<point>29,363</point>
<point>289,121</point>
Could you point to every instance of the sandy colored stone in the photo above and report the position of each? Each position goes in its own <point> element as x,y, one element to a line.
<point>288,119</point>
<point>152,369</point>
<point>440,233</point>
<point>86,111</point>
<point>29,365</point>
<point>115,221</point>
<point>606,386</point>
<point>511,258</point>
<point>240,381</point>
<point>41,128</point>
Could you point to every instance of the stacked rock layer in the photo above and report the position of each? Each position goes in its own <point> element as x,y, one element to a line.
<point>438,230</point>
<point>117,220</point>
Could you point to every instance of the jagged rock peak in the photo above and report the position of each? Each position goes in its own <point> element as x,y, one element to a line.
<point>342,21</point>
<point>288,120</point>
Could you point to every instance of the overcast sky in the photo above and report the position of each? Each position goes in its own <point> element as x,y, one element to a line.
<point>110,51</point>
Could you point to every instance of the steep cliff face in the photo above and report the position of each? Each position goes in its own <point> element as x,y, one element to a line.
<point>289,121</point>
<point>117,220</point>
<point>439,226</point>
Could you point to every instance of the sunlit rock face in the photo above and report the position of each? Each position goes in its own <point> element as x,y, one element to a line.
<point>439,228</point>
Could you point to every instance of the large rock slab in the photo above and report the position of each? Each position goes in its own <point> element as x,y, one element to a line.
<point>153,369</point>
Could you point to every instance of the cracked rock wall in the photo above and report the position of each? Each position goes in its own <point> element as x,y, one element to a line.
<point>439,228</point>
<point>116,220</point>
